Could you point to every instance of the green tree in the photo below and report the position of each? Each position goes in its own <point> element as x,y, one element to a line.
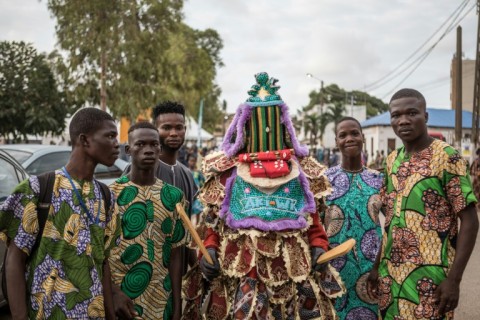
<point>334,94</point>
<point>312,126</point>
<point>30,101</point>
<point>131,54</point>
<point>212,112</point>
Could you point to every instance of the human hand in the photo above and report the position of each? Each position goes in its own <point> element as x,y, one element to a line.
<point>372,283</point>
<point>446,296</point>
<point>123,305</point>
<point>209,271</point>
<point>316,252</point>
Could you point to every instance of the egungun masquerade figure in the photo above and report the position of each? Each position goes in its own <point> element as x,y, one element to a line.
<point>262,197</point>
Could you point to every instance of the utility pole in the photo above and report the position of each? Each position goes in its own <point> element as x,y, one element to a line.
<point>476,91</point>
<point>458,91</point>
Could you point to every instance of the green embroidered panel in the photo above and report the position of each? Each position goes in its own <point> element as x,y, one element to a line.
<point>285,203</point>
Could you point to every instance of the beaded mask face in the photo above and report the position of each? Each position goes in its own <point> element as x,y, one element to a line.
<point>262,123</point>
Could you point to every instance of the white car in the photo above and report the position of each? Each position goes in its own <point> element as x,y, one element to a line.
<point>39,158</point>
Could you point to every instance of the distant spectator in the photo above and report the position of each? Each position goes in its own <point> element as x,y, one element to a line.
<point>333,161</point>
<point>364,158</point>
<point>182,155</point>
<point>378,160</point>
<point>199,179</point>
<point>319,155</point>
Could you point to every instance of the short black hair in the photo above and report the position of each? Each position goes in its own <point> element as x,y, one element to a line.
<point>168,107</point>
<point>191,155</point>
<point>408,93</point>
<point>348,119</point>
<point>141,125</point>
<point>478,152</point>
<point>86,121</point>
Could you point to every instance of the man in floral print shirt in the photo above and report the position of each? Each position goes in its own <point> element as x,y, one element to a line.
<point>68,276</point>
<point>427,189</point>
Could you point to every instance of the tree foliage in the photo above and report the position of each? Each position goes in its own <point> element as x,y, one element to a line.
<point>333,94</point>
<point>334,113</point>
<point>131,54</point>
<point>30,101</point>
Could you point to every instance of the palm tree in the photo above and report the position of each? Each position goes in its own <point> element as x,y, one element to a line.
<point>335,113</point>
<point>313,123</point>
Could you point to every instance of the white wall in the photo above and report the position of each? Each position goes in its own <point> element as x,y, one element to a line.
<point>381,134</point>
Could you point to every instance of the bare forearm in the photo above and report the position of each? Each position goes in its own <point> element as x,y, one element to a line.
<point>465,242</point>
<point>175,271</point>
<point>107,291</point>
<point>378,258</point>
<point>16,284</point>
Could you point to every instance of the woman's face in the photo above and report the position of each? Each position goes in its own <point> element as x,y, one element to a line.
<point>349,138</point>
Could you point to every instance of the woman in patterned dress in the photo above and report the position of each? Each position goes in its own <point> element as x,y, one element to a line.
<point>353,213</point>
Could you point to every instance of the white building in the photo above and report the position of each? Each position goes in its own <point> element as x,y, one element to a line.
<point>379,134</point>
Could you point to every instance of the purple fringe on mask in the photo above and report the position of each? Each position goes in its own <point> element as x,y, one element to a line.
<point>243,114</point>
<point>259,224</point>
<point>300,150</point>
<point>310,205</point>
<point>228,192</point>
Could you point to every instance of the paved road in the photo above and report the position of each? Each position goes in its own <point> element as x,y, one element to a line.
<point>469,305</point>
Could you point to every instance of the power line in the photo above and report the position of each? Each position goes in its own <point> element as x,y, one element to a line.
<point>427,53</point>
<point>392,74</point>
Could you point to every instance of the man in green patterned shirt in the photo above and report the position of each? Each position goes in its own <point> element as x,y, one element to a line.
<point>146,266</point>
<point>67,276</point>
<point>427,190</point>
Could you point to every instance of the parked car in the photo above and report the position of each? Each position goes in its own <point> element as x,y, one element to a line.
<point>39,158</point>
<point>11,174</point>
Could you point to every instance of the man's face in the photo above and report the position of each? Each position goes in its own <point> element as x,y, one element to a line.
<point>102,145</point>
<point>349,138</point>
<point>143,147</point>
<point>171,127</point>
<point>408,119</point>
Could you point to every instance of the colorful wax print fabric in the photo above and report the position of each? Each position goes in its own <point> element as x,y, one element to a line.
<point>353,209</point>
<point>151,228</point>
<point>64,274</point>
<point>423,194</point>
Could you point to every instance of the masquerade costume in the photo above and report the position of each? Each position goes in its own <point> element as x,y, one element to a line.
<point>262,197</point>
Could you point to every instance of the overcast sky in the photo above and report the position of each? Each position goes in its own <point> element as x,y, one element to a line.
<point>350,43</point>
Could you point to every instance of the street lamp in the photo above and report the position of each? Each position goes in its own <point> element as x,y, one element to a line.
<point>321,90</point>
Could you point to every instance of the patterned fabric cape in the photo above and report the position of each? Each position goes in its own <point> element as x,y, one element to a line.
<point>265,274</point>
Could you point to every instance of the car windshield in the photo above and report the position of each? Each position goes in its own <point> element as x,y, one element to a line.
<point>19,155</point>
<point>8,178</point>
<point>48,162</point>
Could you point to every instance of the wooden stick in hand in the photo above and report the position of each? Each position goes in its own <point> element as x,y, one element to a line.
<point>193,232</point>
<point>339,250</point>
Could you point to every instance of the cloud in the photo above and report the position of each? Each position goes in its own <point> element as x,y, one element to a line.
<point>351,43</point>
<point>27,21</point>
